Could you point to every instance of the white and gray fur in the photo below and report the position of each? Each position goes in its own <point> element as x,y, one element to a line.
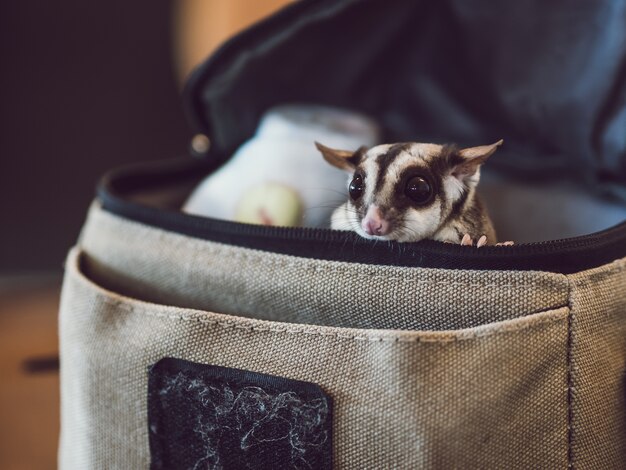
<point>455,208</point>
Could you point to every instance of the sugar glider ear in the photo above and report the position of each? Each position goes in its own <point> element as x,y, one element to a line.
<point>343,159</point>
<point>472,158</point>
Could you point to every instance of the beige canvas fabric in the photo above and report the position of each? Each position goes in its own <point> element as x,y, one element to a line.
<point>130,258</point>
<point>427,368</point>
<point>598,367</point>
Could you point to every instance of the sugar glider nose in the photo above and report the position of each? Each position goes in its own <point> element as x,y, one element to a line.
<point>374,223</point>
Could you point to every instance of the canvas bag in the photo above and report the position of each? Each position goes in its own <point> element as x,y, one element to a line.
<point>196,343</point>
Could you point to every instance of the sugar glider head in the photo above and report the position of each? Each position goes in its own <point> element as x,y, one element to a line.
<point>406,191</point>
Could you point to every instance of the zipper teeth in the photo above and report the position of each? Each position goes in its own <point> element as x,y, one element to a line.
<point>310,234</point>
<point>559,256</point>
<point>604,237</point>
<point>115,184</point>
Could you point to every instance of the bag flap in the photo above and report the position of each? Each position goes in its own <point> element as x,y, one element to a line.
<point>548,78</point>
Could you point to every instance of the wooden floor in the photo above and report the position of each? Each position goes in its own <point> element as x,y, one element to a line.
<point>29,379</point>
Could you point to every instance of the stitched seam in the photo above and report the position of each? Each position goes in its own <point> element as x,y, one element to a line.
<point>297,266</point>
<point>454,337</point>
<point>570,385</point>
<point>317,269</point>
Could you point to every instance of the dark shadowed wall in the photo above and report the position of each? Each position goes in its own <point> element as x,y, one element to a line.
<point>84,86</point>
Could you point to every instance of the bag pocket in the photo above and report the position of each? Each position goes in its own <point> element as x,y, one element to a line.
<point>494,395</point>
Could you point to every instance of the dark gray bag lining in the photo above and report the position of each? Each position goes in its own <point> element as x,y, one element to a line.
<point>549,78</point>
<point>542,211</point>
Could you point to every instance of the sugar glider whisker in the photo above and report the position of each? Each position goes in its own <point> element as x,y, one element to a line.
<point>414,191</point>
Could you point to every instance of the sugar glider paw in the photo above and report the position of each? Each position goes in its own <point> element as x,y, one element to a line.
<point>482,241</point>
<point>467,241</point>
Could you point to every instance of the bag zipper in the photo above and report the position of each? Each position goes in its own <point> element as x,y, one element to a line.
<point>564,256</point>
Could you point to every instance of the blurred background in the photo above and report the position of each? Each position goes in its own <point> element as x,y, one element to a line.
<point>85,86</point>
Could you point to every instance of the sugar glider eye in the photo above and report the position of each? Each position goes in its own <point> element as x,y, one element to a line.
<point>356,187</point>
<point>418,189</point>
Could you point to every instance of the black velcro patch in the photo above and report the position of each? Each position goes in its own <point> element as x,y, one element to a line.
<point>210,417</point>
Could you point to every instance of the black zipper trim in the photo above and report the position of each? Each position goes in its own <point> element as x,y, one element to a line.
<point>559,256</point>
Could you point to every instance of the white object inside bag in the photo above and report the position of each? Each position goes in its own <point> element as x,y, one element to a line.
<point>278,177</point>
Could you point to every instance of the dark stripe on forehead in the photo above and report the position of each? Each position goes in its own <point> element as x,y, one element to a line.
<point>357,157</point>
<point>448,158</point>
<point>386,159</point>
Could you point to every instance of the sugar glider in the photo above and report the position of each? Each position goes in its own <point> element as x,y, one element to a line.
<point>413,191</point>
